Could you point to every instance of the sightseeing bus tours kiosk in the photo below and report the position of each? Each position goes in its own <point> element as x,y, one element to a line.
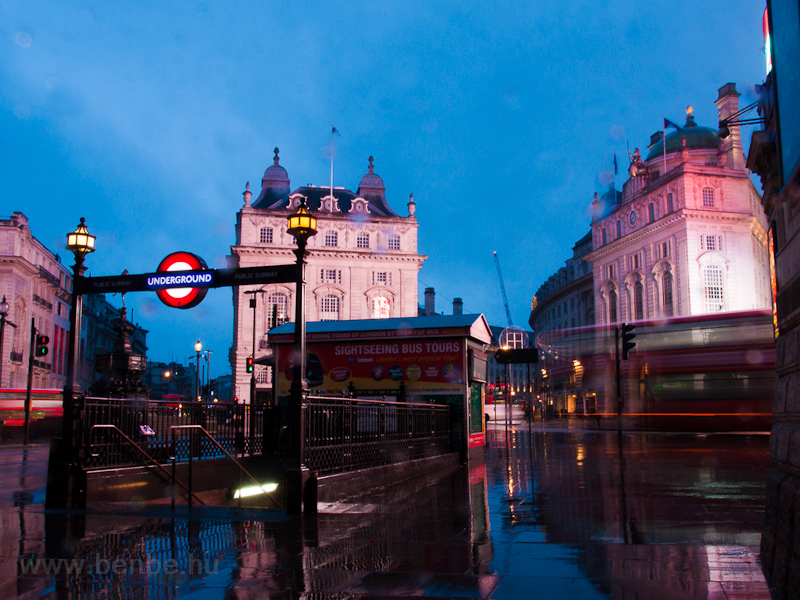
<point>435,359</point>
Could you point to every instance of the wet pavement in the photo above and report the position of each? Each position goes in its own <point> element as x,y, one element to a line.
<point>560,512</point>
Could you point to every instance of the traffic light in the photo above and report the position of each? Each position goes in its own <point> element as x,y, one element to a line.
<point>249,364</point>
<point>627,336</point>
<point>41,345</point>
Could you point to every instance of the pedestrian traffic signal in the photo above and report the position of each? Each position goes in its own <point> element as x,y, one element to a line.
<point>41,345</point>
<point>627,336</point>
<point>249,364</point>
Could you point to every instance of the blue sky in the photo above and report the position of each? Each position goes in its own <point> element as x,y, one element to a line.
<point>148,118</point>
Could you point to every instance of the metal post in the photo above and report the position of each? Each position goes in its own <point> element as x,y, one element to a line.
<point>2,331</point>
<point>30,382</point>
<point>253,303</point>
<point>298,473</point>
<point>197,377</point>
<point>619,379</point>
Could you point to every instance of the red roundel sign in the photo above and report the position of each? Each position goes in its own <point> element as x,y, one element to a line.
<point>182,297</point>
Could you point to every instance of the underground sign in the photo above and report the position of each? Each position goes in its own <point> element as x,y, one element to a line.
<point>184,290</point>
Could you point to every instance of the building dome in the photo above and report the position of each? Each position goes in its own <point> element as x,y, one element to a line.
<point>696,138</point>
<point>371,180</point>
<point>275,173</point>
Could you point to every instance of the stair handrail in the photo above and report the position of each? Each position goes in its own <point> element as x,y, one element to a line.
<point>202,429</point>
<point>145,454</point>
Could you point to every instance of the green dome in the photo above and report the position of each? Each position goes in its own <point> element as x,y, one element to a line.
<point>696,138</point>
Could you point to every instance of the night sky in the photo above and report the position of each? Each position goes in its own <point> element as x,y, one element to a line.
<point>148,118</point>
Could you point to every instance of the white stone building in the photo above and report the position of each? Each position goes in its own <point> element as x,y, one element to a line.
<point>36,286</point>
<point>687,235</point>
<point>362,264</point>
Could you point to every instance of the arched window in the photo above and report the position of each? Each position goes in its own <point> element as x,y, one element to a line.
<point>381,308</point>
<point>670,204</point>
<point>605,237</point>
<point>619,229</point>
<point>651,212</point>
<point>713,287</point>
<point>638,300</point>
<point>329,308</point>
<point>666,282</point>
<point>612,306</point>
<point>277,312</point>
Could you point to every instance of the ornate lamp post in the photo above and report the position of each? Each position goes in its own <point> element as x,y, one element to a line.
<point>302,225</point>
<point>3,312</point>
<point>80,242</point>
<point>197,348</point>
<point>167,376</point>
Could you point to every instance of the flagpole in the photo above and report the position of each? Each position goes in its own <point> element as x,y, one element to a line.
<point>332,130</point>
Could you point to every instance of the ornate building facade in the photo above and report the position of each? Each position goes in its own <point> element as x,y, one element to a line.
<point>36,286</point>
<point>362,264</point>
<point>687,235</point>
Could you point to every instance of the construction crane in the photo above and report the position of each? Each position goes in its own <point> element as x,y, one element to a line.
<point>502,288</point>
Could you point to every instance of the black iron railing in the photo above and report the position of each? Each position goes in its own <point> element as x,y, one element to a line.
<point>239,430</point>
<point>347,434</point>
<point>341,434</point>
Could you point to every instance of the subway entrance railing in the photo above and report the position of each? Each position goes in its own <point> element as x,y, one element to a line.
<point>341,434</point>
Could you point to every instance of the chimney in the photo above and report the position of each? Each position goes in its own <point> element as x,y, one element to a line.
<point>458,306</point>
<point>727,105</point>
<point>429,302</point>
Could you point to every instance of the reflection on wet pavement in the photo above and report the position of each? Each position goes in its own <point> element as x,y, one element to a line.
<point>553,514</point>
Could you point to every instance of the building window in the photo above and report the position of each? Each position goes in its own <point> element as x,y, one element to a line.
<point>605,237</point>
<point>667,283</point>
<point>610,271</point>
<point>362,241</point>
<point>394,241</point>
<point>381,278</point>
<point>329,309</point>
<point>330,276</point>
<point>381,308</point>
<point>708,198</point>
<point>331,238</point>
<point>638,300</point>
<point>635,262</point>
<point>670,204</point>
<point>619,229</point>
<point>713,284</point>
<point>663,249</point>
<point>612,306</point>
<point>265,236</point>
<point>651,212</point>
<point>711,242</point>
<point>277,313</point>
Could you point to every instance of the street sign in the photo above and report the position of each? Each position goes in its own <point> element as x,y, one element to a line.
<point>218,278</point>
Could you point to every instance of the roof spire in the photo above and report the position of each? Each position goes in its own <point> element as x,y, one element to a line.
<point>275,161</point>
<point>371,166</point>
<point>689,118</point>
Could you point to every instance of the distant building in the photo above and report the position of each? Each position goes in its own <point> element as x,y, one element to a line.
<point>687,235</point>
<point>363,263</point>
<point>170,379</point>
<point>98,332</point>
<point>561,306</point>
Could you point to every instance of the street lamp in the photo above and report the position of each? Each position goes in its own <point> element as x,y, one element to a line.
<point>167,375</point>
<point>302,225</point>
<point>80,242</point>
<point>197,348</point>
<point>3,312</point>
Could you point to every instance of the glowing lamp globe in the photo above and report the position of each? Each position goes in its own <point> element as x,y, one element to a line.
<point>80,242</point>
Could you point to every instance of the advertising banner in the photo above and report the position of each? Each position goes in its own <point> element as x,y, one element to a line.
<point>432,367</point>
